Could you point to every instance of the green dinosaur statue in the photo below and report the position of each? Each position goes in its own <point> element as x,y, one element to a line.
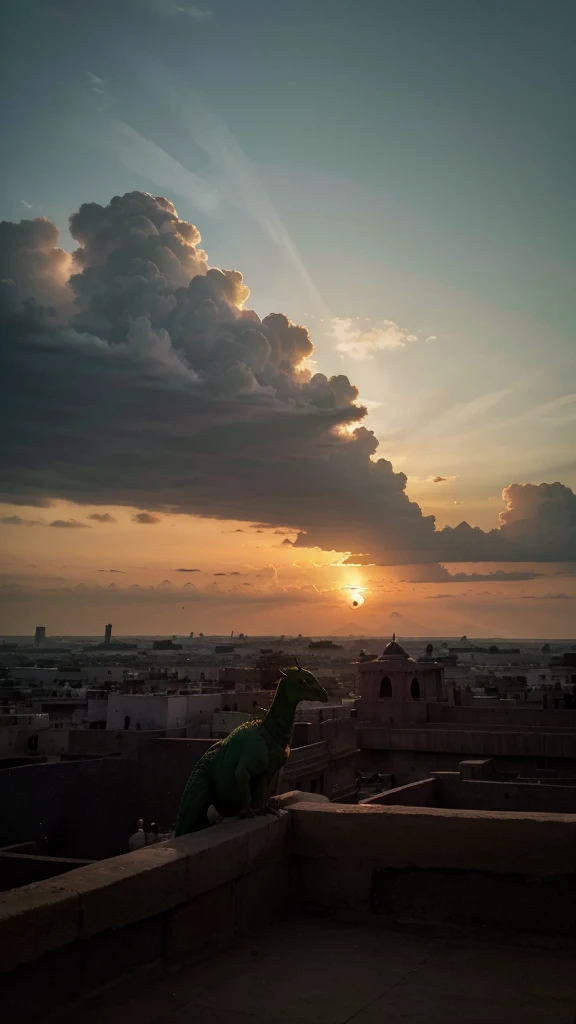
<point>238,775</point>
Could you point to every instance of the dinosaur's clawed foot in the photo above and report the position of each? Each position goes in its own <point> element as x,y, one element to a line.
<point>270,809</point>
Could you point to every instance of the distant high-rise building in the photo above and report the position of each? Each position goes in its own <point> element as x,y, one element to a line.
<point>108,633</point>
<point>39,636</point>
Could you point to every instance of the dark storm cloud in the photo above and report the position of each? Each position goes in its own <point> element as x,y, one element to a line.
<point>156,388</point>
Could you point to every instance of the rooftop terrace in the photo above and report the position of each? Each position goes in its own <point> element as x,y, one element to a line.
<point>318,972</point>
<point>327,914</point>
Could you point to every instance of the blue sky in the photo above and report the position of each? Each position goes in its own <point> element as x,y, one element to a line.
<point>406,162</point>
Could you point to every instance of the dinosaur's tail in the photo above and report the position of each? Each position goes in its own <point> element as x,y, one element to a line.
<point>197,796</point>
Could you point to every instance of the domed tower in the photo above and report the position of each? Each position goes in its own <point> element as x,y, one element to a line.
<point>394,688</point>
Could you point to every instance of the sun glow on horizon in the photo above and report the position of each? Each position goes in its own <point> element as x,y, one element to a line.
<point>355,596</point>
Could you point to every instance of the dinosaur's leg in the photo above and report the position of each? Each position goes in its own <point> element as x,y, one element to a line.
<point>268,793</point>
<point>196,799</point>
<point>243,787</point>
<point>259,790</point>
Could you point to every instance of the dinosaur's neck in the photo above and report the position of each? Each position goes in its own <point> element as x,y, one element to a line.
<point>279,720</point>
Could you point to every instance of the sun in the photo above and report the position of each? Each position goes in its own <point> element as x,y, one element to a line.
<point>355,596</point>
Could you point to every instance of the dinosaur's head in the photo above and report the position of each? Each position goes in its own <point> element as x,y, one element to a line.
<point>299,684</point>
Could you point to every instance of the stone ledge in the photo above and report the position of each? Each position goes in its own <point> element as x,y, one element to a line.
<point>114,893</point>
<point>296,796</point>
<point>431,837</point>
<point>128,888</point>
<point>228,850</point>
<point>35,921</point>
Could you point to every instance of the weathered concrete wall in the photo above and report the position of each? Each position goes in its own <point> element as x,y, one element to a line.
<point>471,742</point>
<point>511,877</point>
<point>163,904</point>
<point>244,699</point>
<point>340,735</point>
<point>147,711</point>
<point>88,809</point>
<point>484,795</point>
<point>54,742</point>
<point>17,869</point>
<point>412,765</point>
<point>504,717</point>
<point>461,872</point>
<point>406,765</point>
<point>449,790</point>
<point>105,742</point>
<point>304,763</point>
<point>83,809</point>
<point>164,766</point>
<point>415,794</point>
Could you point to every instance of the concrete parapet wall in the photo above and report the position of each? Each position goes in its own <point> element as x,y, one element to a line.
<point>468,872</point>
<point>492,795</point>
<point>468,741</point>
<point>106,742</point>
<point>451,790</point>
<point>529,843</point>
<point>502,716</point>
<point>164,904</point>
<point>57,804</point>
<point>510,877</point>
<point>415,794</point>
<point>17,869</point>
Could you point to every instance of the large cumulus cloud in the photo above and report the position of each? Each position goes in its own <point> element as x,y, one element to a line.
<point>148,382</point>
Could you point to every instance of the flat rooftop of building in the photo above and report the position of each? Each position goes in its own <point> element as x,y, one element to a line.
<point>465,726</point>
<point>318,972</point>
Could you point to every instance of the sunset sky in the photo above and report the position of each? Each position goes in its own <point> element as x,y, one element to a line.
<point>395,179</point>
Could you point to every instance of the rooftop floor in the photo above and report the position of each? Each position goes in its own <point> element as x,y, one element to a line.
<point>316,972</point>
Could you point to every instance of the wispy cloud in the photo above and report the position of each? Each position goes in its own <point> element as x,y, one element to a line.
<point>19,521</point>
<point>361,342</point>
<point>69,524</point>
<point>239,180</point>
<point>435,573</point>
<point>462,413</point>
<point>102,517</point>
<point>136,152</point>
<point>171,9</point>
